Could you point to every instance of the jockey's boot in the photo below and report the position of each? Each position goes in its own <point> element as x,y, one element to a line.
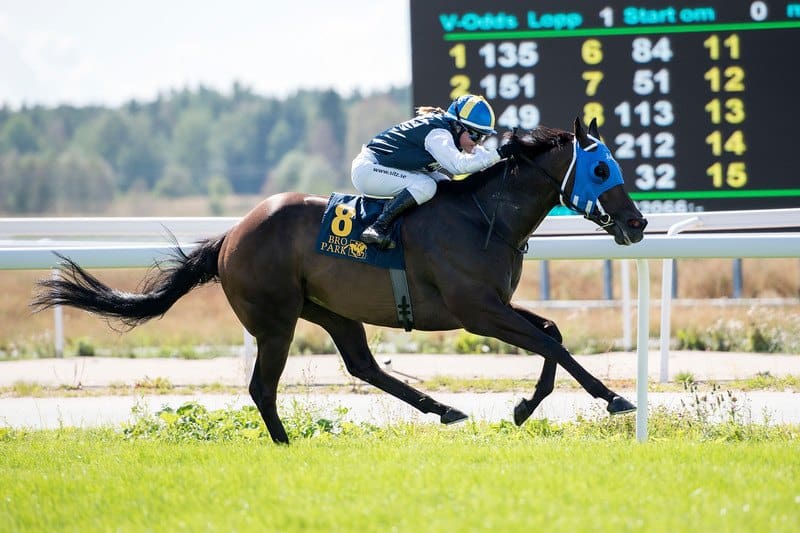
<point>380,231</point>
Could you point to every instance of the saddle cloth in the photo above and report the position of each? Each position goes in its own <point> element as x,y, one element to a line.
<point>345,217</point>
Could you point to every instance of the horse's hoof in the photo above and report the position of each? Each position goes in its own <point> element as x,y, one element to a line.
<point>453,416</point>
<point>619,406</point>
<point>522,412</point>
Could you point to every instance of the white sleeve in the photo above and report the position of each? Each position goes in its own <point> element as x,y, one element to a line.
<point>439,143</point>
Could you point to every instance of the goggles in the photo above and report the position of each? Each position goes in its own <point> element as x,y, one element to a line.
<point>476,136</point>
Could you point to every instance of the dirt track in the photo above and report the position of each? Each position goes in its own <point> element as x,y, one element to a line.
<point>329,369</point>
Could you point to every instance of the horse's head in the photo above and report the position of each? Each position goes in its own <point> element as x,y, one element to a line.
<point>590,183</point>
<point>596,189</point>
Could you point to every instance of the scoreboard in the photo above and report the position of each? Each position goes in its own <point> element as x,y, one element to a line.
<point>698,100</point>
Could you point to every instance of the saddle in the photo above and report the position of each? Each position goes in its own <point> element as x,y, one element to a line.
<point>346,216</point>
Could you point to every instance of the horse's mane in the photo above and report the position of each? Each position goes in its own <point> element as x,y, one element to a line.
<point>541,139</point>
<point>536,141</point>
<point>427,110</point>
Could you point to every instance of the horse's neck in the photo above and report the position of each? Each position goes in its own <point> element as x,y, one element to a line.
<point>520,200</point>
<point>552,168</point>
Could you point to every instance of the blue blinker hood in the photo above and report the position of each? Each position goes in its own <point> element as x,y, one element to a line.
<point>596,171</point>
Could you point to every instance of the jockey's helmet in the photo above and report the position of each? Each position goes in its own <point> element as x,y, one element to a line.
<point>473,112</point>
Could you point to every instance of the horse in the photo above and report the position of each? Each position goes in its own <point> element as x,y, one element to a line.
<point>463,252</point>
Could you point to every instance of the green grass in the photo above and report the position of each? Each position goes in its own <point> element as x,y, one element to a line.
<point>199,470</point>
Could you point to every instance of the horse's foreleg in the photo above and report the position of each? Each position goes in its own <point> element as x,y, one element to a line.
<point>525,408</point>
<point>546,325</point>
<point>507,324</point>
<point>351,340</point>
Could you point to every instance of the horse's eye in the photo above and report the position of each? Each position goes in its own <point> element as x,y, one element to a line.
<point>602,171</point>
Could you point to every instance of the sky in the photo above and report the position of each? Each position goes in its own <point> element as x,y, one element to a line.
<point>107,52</point>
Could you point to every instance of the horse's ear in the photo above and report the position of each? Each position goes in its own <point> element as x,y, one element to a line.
<point>580,132</point>
<point>593,128</point>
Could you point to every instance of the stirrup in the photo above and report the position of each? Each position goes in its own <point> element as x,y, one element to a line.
<point>371,235</point>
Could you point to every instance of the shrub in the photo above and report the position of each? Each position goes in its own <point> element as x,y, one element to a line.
<point>85,347</point>
<point>686,378</point>
<point>310,343</point>
<point>194,422</point>
<point>470,343</point>
<point>158,384</point>
<point>734,335</point>
<point>709,416</point>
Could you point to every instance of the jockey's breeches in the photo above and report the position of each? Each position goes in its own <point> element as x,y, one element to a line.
<point>373,179</point>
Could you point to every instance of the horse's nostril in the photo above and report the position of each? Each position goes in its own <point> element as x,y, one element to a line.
<point>634,223</point>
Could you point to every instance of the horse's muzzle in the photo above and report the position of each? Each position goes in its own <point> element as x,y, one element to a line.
<point>628,231</point>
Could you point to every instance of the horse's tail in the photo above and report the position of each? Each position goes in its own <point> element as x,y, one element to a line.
<point>167,281</point>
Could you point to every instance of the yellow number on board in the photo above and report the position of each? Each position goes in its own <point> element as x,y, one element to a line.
<point>460,85</point>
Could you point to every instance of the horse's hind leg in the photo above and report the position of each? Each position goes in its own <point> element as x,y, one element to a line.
<point>270,315</point>
<point>270,362</point>
<point>351,340</point>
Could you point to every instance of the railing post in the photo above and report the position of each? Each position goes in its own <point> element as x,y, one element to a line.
<point>58,322</point>
<point>544,281</point>
<point>625,282</point>
<point>666,311</point>
<point>674,279</point>
<point>737,278</point>
<point>608,280</point>
<point>643,330</point>
<point>248,355</point>
<point>667,293</point>
<point>249,348</point>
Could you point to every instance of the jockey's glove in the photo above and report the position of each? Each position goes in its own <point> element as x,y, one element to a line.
<point>509,149</point>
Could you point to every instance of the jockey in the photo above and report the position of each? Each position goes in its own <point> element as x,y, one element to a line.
<point>406,161</point>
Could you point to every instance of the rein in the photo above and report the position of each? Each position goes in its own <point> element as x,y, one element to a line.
<point>496,205</point>
<point>491,220</point>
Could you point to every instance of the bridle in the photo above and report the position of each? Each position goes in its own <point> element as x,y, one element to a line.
<point>602,219</point>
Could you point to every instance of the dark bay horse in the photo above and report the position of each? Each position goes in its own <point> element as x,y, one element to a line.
<point>464,253</point>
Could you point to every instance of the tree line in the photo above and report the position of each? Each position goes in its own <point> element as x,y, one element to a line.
<point>188,142</point>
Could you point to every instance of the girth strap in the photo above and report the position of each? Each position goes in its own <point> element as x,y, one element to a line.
<point>402,298</point>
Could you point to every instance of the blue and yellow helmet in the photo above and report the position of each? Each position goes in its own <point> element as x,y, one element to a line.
<point>474,112</point>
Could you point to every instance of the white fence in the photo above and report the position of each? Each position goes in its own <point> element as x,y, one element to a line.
<point>190,228</point>
<point>28,244</point>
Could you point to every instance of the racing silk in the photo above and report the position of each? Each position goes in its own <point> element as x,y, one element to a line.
<point>426,144</point>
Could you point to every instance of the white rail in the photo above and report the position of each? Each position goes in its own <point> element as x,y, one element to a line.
<point>568,247</point>
<point>189,228</point>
